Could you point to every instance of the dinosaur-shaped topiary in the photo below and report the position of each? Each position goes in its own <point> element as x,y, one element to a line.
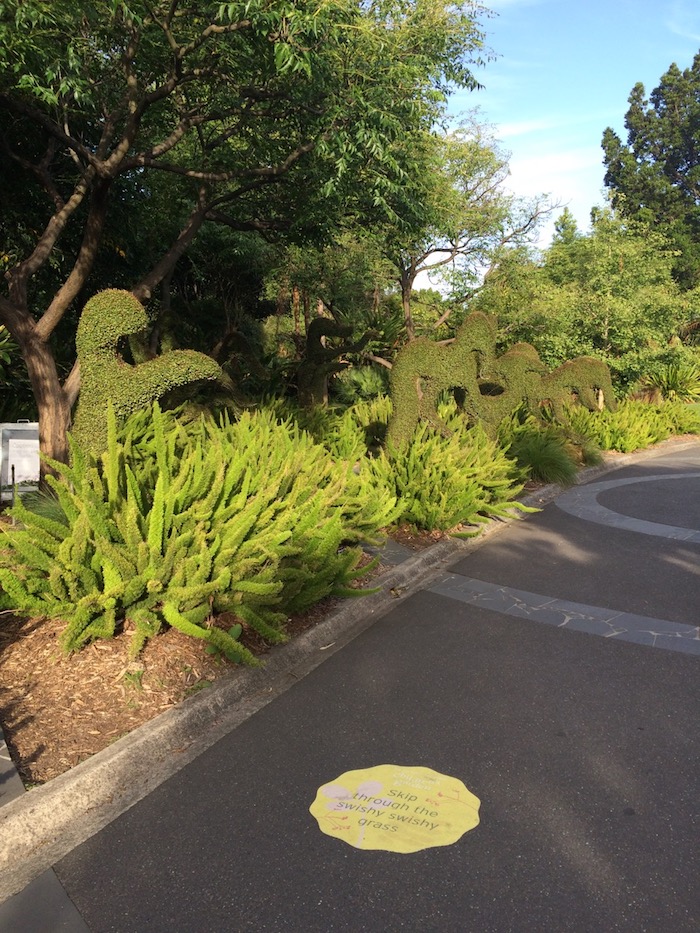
<point>493,386</point>
<point>424,369</point>
<point>105,376</point>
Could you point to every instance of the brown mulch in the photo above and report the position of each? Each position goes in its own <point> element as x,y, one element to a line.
<point>58,710</point>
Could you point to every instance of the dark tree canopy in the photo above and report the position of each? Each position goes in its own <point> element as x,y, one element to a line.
<point>127,128</point>
<point>655,176</point>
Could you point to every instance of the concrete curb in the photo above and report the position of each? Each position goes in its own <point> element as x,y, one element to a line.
<point>40,827</point>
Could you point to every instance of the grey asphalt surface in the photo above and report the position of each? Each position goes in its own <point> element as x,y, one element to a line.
<point>554,671</point>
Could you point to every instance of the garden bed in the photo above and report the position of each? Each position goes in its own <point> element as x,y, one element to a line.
<point>58,710</point>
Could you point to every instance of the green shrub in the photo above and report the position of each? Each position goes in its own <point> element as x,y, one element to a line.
<point>635,425</point>
<point>546,449</point>
<point>360,383</point>
<point>441,482</point>
<point>542,450</point>
<point>176,523</point>
<point>348,434</point>
<point>681,417</point>
<point>359,430</point>
<point>678,380</point>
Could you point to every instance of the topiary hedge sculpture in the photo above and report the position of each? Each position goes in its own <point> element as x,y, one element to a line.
<point>322,361</point>
<point>105,376</point>
<point>584,377</point>
<point>424,369</point>
<point>516,376</point>
<point>493,386</point>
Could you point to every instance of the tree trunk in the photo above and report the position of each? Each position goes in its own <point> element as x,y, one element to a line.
<point>406,281</point>
<point>51,400</point>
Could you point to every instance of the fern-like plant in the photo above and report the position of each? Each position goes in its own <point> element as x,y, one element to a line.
<point>635,425</point>
<point>251,518</point>
<point>442,482</point>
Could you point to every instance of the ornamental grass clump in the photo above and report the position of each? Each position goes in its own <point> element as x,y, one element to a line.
<point>540,449</point>
<point>545,449</point>
<point>251,518</point>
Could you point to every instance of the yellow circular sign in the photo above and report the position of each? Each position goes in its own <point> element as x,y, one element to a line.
<point>396,809</point>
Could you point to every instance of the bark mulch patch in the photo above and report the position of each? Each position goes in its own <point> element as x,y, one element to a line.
<point>58,710</point>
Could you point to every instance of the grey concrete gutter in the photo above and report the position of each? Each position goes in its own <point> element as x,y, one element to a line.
<point>40,827</point>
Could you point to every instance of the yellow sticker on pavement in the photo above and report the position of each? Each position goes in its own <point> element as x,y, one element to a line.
<point>398,809</point>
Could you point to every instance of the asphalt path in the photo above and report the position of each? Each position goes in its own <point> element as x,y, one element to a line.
<point>553,671</point>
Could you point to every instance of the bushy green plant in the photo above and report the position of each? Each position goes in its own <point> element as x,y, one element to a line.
<point>442,482</point>
<point>635,425</point>
<point>359,430</point>
<point>542,450</point>
<point>251,518</point>
<point>678,380</point>
<point>348,434</point>
<point>681,417</point>
<point>360,383</point>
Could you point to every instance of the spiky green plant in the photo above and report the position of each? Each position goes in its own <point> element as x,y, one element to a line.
<point>442,482</point>
<point>635,425</point>
<point>541,449</point>
<point>251,518</point>
<point>675,381</point>
<point>360,383</point>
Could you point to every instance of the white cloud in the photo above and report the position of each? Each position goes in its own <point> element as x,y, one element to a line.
<point>685,21</point>
<point>523,127</point>
<point>567,176</point>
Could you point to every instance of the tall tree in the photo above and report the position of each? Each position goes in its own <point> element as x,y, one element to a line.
<point>655,176</point>
<point>465,214</point>
<point>609,294</point>
<point>263,115</point>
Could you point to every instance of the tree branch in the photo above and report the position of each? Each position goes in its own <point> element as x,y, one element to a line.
<point>144,289</point>
<point>23,109</point>
<point>21,274</point>
<point>82,267</point>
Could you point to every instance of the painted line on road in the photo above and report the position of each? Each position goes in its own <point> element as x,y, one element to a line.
<point>594,620</point>
<point>582,502</point>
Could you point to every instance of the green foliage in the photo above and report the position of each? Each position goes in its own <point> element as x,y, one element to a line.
<point>681,417</point>
<point>442,482</point>
<point>542,450</point>
<point>679,379</point>
<point>654,176</point>
<point>491,386</point>
<point>609,294</point>
<point>323,358</point>
<point>360,383</point>
<point>15,390</point>
<point>148,122</point>
<point>459,213</point>
<point>174,525</point>
<point>7,348</point>
<point>107,379</point>
<point>423,370</point>
<point>635,425</point>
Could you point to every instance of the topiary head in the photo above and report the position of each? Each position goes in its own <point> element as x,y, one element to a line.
<point>108,316</point>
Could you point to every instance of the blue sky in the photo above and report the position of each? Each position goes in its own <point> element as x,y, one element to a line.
<point>564,71</point>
